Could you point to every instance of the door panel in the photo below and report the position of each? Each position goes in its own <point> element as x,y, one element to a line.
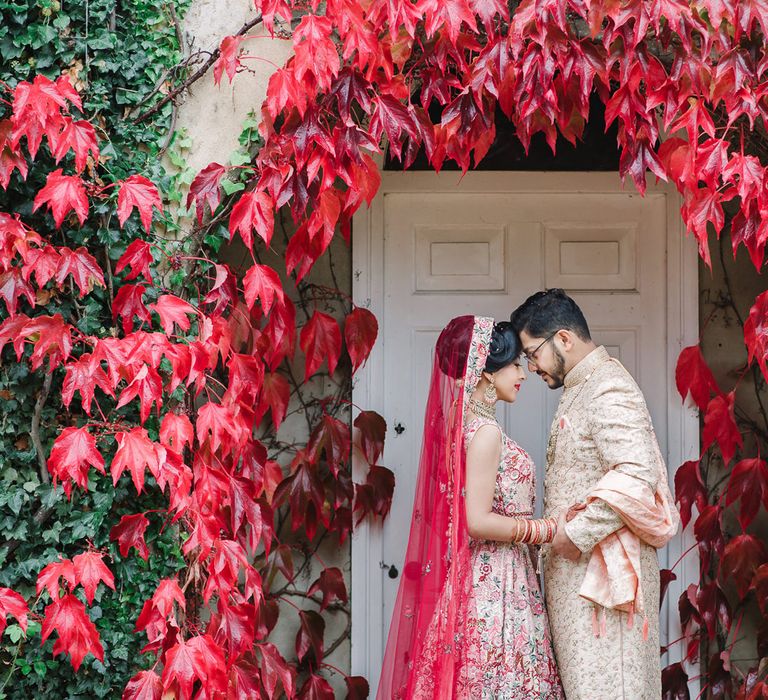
<point>451,253</point>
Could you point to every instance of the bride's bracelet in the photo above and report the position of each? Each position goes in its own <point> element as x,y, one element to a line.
<point>535,531</point>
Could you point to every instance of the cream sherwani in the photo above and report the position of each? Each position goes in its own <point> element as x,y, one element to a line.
<point>602,423</point>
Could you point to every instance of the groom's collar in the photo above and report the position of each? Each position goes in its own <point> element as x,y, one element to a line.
<point>582,370</point>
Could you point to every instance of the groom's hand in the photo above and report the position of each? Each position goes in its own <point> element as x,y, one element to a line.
<point>562,544</point>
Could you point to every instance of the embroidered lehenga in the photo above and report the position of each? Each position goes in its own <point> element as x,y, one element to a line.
<point>469,621</point>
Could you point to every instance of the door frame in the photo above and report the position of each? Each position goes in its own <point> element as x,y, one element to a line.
<point>366,589</point>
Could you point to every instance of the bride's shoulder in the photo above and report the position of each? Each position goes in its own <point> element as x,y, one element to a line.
<point>482,426</point>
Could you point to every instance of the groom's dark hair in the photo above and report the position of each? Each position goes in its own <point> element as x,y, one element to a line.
<point>545,313</point>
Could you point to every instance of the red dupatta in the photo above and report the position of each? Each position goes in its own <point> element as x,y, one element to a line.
<point>427,638</point>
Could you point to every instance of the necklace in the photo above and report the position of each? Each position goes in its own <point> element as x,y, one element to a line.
<point>482,409</point>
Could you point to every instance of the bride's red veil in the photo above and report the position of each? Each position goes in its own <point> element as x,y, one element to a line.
<point>427,637</point>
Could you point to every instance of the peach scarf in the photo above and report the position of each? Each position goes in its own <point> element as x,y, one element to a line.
<point>612,579</point>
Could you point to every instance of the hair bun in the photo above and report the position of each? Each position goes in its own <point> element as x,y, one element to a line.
<point>505,346</point>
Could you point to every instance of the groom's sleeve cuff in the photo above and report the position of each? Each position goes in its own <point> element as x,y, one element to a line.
<point>594,523</point>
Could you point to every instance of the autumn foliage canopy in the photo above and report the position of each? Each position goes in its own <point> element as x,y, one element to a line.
<point>685,82</point>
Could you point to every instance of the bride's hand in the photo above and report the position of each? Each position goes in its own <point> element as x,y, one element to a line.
<point>574,510</point>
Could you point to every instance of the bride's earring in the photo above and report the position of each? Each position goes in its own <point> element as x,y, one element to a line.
<point>490,395</point>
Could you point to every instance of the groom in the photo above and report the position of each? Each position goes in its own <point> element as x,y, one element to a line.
<point>601,578</point>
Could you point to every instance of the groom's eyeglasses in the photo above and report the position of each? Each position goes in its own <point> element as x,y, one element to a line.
<point>531,356</point>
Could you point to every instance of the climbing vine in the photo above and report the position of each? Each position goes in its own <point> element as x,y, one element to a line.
<point>121,58</point>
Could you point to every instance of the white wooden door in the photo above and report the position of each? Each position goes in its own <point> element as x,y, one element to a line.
<point>459,248</point>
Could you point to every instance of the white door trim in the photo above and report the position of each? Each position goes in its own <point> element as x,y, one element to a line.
<point>368,388</point>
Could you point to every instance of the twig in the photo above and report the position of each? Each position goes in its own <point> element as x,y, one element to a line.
<point>110,284</point>
<point>199,73</point>
<point>34,430</point>
<point>342,637</point>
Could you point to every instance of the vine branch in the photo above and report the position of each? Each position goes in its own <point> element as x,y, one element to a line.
<point>199,73</point>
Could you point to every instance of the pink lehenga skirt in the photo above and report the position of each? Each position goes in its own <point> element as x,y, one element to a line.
<point>506,648</point>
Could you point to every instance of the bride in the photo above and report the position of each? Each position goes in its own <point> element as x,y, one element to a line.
<point>469,621</point>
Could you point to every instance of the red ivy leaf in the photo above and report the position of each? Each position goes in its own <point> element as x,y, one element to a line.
<point>49,577</point>
<point>12,287</point>
<point>310,635</point>
<point>138,192</point>
<point>42,262</point>
<point>320,339</point>
<point>148,386</point>
<point>254,210</point>
<point>228,59</point>
<point>743,556</point>
<point>693,375</point>
<point>135,452</point>
<point>372,429</point>
<point>139,256</point>
<point>666,576</point>
<point>73,453</point>
<point>713,606</point>
<point>748,482</point>
<point>674,683</point>
<point>77,634</point>
<point>357,688</point>
<point>173,310</point>
<point>82,266</point>
<point>11,603</point>
<point>145,685</point>
<point>760,587</point>
<point>316,688</point>
<point>63,194</point>
<point>689,490</point>
<point>375,495</point>
<point>275,395</point>
<point>275,671</point>
<point>332,438</point>
<point>224,290</point>
<point>263,283</point>
<point>90,570</point>
<point>316,53</point>
<point>79,136</point>
<point>709,534</point>
<point>166,594</point>
<point>84,375</point>
<point>176,431</point>
<point>718,678</point>
<point>756,333</point>
<point>129,532</point>
<point>205,188</point>
<point>52,338</point>
<point>214,425</point>
<point>331,584</point>
<point>127,304</point>
<point>360,331</point>
<point>720,426</point>
<point>199,659</point>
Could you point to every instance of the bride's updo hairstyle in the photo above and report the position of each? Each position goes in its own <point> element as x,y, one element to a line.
<point>505,347</point>
<point>452,346</point>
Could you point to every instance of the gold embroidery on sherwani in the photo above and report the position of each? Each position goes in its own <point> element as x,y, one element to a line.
<point>601,423</point>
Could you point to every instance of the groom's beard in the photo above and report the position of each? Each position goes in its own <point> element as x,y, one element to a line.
<point>556,376</point>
